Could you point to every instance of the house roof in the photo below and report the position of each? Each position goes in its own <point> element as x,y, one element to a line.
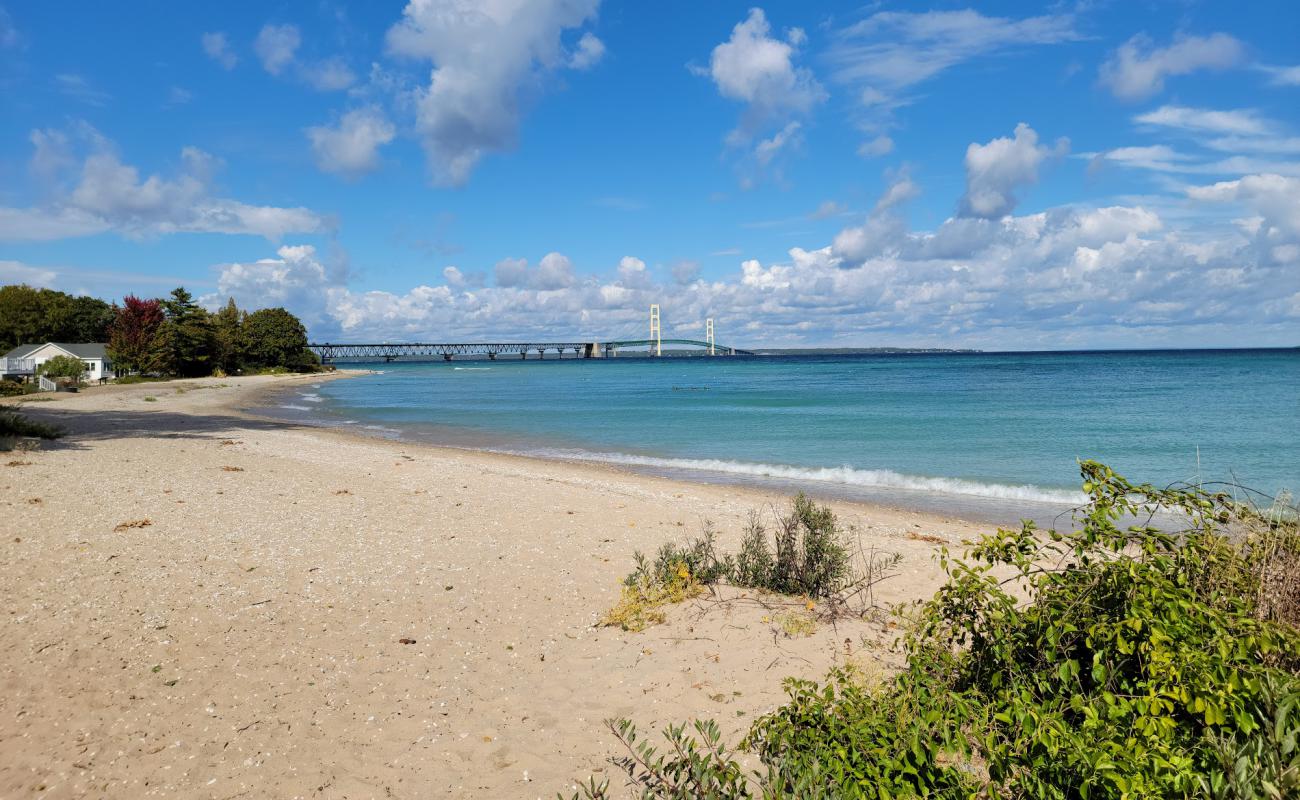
<point>78,350</point>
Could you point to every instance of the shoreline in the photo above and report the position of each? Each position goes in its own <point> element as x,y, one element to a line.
<point>202,602</point>
<point>983,509</point>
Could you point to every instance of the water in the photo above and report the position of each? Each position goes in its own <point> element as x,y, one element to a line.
<point>982,434</point>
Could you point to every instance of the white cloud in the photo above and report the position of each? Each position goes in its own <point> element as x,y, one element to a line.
<point>590,51</point>
<point>351,147</point>
<point>893,50</point>
<point>554,271</point>
<point>887,54</point>
<point>1114,276</point>
<point>1239,122</point>
<point>880,146</point>
<point>488,57</point>
<point>276,46</point>
<point>82,90</point>
<point>632,272</point>
<point>1276,198</point>
<point>105,194</point>
<point>330,75</point>
<point>1284,76</point>
<point>1138,69</point>
<point>994,171</point>
<point>217,47</point>
<point>768,149</point>
<point>758,70</point>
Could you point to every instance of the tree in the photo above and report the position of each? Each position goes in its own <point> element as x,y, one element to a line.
<point>132,332</point>
<point>275,338</point>
<point>185,343</point>
<point>228,338</point>
<point>64,367</point>
<point>33,316</point>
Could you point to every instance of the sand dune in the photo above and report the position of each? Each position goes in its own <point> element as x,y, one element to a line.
<point>199,603</point>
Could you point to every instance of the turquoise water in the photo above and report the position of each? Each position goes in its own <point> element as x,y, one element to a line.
<point>915,430</point>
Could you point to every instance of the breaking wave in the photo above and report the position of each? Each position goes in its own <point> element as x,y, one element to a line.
<point>847,476</point>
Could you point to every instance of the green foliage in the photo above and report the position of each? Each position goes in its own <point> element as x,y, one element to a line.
<point>36,316</point>
<point>812,554</point>
<point>11,389</point>
<point>272,337</point>
<point>13,424</point>
<point>228,338</point>
<point>185,343</point>
<point>63,367</point>
<point>1119,660</point>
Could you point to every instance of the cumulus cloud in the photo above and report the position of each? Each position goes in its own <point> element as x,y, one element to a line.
<point>488,58</point>
<point>554,271</point>
<point>590,50</point>
<point>217,47</point>
<point>1276,201</point>
<point>757,69</point>
<point>106,194</point>
<point>276,46</point>
<point>994,171</point>
<point>1138,69</point>
<point>351,148</point>
<point>1112,276</point>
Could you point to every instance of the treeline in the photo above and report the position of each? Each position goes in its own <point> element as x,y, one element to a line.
<point>30,315</point>
<point>176,336</point>
<point>168,336</point>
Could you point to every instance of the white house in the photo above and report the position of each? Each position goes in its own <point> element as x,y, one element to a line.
<point>24,359</point>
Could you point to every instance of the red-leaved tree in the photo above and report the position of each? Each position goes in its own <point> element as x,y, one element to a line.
<point>132,332</point>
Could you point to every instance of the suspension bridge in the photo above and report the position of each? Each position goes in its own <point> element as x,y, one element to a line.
<point>654,346</point>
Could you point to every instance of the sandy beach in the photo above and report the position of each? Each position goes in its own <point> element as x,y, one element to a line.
<point>201,603</point>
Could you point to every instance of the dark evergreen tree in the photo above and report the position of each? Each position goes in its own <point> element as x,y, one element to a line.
<point>185,342</point>
<point>228,338</point>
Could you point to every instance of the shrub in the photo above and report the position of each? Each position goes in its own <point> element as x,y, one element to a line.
<point>63,367</point>
<point>15,425</point>
<point>11,389</point>
<point>1120,660</point>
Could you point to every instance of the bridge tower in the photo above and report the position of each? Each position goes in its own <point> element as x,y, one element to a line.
<point>656,332</point>
<point>708,334</point>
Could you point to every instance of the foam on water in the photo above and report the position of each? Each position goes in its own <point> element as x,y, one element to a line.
<point>847,476</point>
<point>293,407</point>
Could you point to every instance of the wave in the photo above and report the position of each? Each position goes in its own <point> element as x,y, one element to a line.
<point>310,397</point>
<point>294,407</point>
<point>471,369</point>
<point>847,476</point>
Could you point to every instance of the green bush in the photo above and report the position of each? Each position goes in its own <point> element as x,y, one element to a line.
<point>63,367</point>
<point>11,389</point>
<point>15,425</point>
<point>1120,660</point>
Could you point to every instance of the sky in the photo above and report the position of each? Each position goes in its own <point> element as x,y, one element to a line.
<point>995,176</point>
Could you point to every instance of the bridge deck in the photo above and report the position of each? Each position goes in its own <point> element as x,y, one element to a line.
<point>447,350</point>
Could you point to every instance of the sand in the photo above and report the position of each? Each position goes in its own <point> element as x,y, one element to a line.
<point>202,604</point>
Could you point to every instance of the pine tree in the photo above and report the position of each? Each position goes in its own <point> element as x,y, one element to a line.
<point>228,338</point>
<point>185,345</point>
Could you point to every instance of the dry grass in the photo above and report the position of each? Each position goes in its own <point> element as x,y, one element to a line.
<point>232,469</point>
<point>135,523</point>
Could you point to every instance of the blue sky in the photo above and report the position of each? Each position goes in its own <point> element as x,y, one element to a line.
<point>1088,175</point>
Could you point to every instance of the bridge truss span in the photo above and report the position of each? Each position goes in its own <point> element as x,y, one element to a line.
<point>329,352</point>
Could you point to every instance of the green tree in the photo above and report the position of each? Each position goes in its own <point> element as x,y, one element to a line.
<point>185,343</point>
<point>275,338</point>
<point>64,367</point>
<point>22,316</point>
<point>34,316</point>
<point>228,338</point>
